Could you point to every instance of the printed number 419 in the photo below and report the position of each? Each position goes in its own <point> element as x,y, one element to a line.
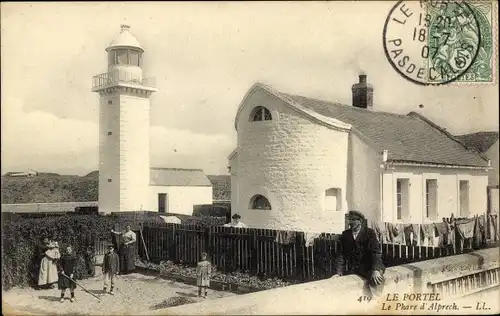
<point>364,298</point>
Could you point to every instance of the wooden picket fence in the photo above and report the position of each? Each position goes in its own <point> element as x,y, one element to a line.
<point>256,251</point>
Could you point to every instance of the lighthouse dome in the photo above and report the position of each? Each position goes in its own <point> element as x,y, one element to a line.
<point>125,39</point>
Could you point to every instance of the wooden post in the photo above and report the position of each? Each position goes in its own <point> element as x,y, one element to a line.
<point>253,258</point>
<point>299,248</point>
<point>143,243</point>
<point>208,241</point>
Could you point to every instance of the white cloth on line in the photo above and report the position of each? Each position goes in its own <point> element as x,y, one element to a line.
<point>309,238</point>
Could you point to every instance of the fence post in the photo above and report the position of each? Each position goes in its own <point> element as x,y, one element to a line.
<point>208,241</point>
<point>254,261</point>
<point>299,250</point>
<point>173,245</point>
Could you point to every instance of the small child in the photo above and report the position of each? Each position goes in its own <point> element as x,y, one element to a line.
<point>110,267</point>
<point>67,269</point>
<point>203,273</point>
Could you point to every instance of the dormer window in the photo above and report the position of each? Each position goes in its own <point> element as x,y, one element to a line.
<point>260,113</point>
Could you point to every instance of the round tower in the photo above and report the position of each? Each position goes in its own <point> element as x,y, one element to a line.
<point>124,126</point>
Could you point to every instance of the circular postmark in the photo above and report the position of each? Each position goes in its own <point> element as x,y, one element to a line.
<point>431,42</point>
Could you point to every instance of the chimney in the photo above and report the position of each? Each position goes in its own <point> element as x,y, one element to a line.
<point>124,27</point>
<point>362,93</point>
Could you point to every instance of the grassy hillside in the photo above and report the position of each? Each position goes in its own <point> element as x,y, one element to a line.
<point>53,188</point>
<point>49,189</point>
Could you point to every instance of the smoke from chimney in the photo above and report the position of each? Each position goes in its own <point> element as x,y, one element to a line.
<point>362,93</point>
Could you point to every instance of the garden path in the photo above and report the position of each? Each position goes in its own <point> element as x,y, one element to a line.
<point>135,294</point>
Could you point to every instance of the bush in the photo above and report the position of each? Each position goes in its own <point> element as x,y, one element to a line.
<point>241,278</point>
<point>211,210</point>
<point>20,240</point>
<point>204,221</point>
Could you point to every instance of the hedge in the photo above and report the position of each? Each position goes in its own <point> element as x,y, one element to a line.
<point>212,210</point>
<point>21,237</point>
<point>20,240</point>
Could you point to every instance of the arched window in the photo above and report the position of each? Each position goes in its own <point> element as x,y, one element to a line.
<point>260,113</point>
<point>259,202</point>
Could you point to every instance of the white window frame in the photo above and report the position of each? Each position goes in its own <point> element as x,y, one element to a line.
<point>338,199</point>
<point>265,114</point>
<point>431,211</point>
<point>464,211</point>
<point>403,203</point>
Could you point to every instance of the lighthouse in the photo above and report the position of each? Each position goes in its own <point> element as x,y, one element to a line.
<point>124,111</point>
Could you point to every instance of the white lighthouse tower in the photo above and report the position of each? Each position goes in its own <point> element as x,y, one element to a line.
<point>124,107</point>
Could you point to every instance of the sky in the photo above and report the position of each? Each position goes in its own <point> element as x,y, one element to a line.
<point>205,57</point>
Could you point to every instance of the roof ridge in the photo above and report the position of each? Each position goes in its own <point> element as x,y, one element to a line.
<point>180,169</point>
<point>480,132</point>
<point>346,105</point>
<point>330,122</point>
<point>445,132</point>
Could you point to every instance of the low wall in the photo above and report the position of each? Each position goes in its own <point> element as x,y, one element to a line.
<point>344,295</point>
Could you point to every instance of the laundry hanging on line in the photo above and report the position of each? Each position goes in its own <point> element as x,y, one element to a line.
<point>493,227</point>
<point>428,232</point>
<point>380,230</point>
<point>442,230</point>
<point>466,229</point>
<point>480,231</point>
<point>310,237</point>
<point>286,237</point>
<point>411,232</point>
<point>396,232</point>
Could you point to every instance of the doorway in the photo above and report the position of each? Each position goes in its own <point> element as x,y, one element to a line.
<point>162,202</point>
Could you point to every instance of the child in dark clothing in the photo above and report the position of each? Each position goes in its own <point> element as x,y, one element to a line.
<point>110,268</point>
<point>67,269</point>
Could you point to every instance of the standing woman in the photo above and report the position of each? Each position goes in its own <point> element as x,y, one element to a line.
<point>48,267</point>
<point>127,250</point>
<point>37,262</point>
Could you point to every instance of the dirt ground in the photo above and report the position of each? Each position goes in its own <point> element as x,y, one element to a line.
<point>135,294</point>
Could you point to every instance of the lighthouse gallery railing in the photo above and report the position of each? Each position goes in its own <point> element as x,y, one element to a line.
<point>108,78</point>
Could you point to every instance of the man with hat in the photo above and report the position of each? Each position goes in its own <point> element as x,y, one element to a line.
<point>236,222</point>
<point>360,251</point>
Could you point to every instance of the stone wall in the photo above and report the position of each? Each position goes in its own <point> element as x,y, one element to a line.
<point>342,295</point>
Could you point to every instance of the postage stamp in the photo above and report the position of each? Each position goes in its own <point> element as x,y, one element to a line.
<point>439,42</point>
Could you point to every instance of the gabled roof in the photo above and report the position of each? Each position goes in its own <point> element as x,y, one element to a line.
<point>178,177</point>
<point>330,122</point>
<point>221,187</point>
<point>408,138</point>
<point>480,141</point>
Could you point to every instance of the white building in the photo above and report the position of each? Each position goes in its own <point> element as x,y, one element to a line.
<point>301,164</point>
<point>29,173</point>
<point>126,182</point>
<point>175,190</point>
<point>486,143</point>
